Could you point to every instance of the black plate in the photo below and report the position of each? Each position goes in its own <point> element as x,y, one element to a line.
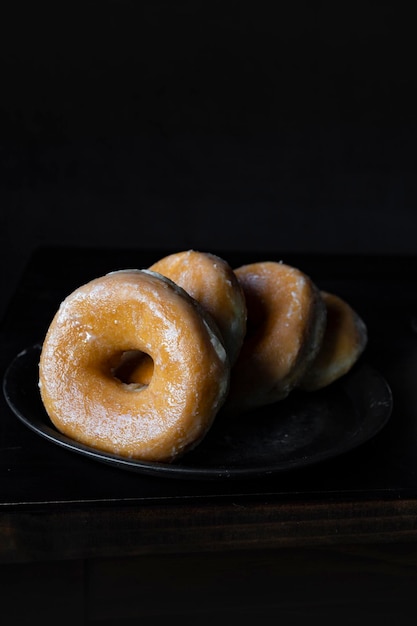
<point>302,430</point>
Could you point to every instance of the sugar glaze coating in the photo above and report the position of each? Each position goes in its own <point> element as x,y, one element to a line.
<point>286,322</point>
<point>127,312</point>
<point>210,280</point>
<point>344,341</point>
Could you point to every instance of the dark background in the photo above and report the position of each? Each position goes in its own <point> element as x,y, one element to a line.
<point>215,125</point>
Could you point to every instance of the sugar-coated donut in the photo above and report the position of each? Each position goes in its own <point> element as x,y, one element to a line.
<point>103,325</point>
<point>344,341</point>
<point>211,281</point>
<point>285,327</point>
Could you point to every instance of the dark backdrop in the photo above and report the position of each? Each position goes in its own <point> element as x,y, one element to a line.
<point>215,125</point>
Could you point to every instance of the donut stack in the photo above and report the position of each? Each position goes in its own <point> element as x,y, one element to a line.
<point>139,363</point>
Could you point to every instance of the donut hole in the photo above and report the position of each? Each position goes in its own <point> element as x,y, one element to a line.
<point>134,368</point>
<point>257,317</point>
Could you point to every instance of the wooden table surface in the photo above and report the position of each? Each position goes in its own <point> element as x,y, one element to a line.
<point>346,528</point>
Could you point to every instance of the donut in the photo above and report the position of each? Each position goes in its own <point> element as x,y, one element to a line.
<point>285,326</point>
<point>211,281</point>
<point>102,328</point>
<point>344,341</point>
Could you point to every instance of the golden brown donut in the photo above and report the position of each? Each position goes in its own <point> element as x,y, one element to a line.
<point>286,322</point>
<point>211,281</point>
<point>94,333</point>
<point>344,341</point>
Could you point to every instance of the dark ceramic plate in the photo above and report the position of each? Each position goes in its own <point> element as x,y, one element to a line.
<point>302,430</point>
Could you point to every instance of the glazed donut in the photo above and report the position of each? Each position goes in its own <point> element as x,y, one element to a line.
<point>344,341</point>
<point>96,331</point>
<point>286,322</point>
<point>211,281</point>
